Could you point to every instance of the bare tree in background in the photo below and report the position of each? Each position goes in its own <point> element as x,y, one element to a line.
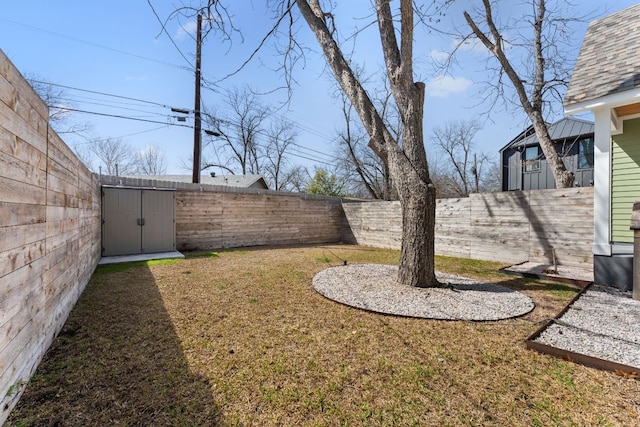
<point>150,161</point>
<point>455,140</point>
<point>530,54</point>
<point>361,165</point>
<point>56,100</point>
<point>297,179</point>
<point>238,123</point>
<point>280,136</point>
<point>112,154</point>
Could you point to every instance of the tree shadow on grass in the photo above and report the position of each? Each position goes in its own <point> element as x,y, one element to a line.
<point>117,361</point>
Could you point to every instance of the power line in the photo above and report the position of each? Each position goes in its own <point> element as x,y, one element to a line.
<point>93,141</point>
<point>101,93</point>
<point>31,27</point>
<point>124,117</point>
<point>151,113</point>
<point>311,156</point>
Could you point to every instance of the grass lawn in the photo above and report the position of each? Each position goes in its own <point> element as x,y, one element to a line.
<point>241,338</point>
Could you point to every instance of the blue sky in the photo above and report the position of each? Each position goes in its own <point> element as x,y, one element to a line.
<point>117,48</point>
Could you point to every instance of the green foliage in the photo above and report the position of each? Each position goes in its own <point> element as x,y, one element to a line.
<point>326,183</point>
<point>192,255</point>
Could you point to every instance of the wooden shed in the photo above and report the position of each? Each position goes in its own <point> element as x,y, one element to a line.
<point>137,220</point>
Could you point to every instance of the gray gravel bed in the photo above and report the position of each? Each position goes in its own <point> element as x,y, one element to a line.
<point>374,287</point>
<point>604,323</point>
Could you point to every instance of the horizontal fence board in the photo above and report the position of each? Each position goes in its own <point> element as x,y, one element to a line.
<point>20,235</point>
<point>15,191</point>
<point>22,129</point>
<point>21,152</point>
<point>208,220</point>
<point>12,214</point>
<point>21,171</point>
<point>18,257</point>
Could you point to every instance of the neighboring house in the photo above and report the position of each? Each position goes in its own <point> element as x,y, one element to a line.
<point>524,166</point>
<point>244,181</point>
<point>606,82</point>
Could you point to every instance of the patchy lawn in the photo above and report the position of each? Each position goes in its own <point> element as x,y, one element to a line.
<point>241,338</point>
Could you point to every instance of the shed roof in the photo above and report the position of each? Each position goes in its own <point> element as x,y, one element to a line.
<point>607,63</point>
<point>244,181</point>
<point>566,128</point>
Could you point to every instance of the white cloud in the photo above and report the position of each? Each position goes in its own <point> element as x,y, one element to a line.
<point>443,86</point>
<point>439,56</point>
<point>188,28</point>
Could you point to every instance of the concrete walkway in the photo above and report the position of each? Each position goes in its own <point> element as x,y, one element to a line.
<point>139,257</point>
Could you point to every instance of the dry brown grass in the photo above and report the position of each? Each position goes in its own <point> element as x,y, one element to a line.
<point>243,339</point>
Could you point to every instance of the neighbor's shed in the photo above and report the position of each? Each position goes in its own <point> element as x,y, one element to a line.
<point>137,220</point>
<point>524,166</point>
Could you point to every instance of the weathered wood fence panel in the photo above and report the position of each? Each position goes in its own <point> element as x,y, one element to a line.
<point>49,232</point>
<point>212,220</point>
<point>511,227</point>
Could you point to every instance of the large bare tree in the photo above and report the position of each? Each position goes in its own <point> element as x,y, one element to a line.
<point>407,161</point>
<point>406,154</point>
<point>537,78</point>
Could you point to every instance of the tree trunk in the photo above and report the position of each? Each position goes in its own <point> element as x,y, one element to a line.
<point>563,177</point>
<point>417,261</point>
<point>416,193</point>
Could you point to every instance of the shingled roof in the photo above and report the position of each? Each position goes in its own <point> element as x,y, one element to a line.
<point>608,62</point>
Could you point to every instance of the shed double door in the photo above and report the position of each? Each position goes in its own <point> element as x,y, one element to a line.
<point>136,221</point>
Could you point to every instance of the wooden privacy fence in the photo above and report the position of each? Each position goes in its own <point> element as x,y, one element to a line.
<point>215,217</point>
<point>49,232</point>
<point>511,227</point>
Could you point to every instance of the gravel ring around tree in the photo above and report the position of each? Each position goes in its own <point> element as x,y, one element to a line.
<point>374,287</point>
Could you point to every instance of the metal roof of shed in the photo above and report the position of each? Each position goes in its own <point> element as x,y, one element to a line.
<point>566,128</point>
<point>244,181</point>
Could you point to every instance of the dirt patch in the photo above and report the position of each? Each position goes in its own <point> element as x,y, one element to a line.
<point>243,339</point>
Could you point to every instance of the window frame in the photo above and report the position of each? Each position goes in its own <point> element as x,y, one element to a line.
<point>583,156</point>
<point>531,165</point>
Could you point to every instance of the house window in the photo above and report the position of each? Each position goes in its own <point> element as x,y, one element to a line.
<point>531,159</point>
<point>585,153</point>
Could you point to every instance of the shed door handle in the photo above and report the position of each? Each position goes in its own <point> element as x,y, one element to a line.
<point>140,221</point>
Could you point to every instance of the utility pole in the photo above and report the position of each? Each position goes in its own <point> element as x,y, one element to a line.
<point>197,125</point>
